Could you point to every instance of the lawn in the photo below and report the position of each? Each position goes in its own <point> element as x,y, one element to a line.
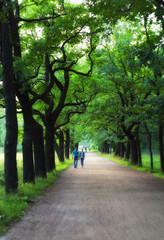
<point>12,206</point>
<point>145,162</point>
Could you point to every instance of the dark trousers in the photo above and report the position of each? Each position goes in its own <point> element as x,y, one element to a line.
<point>82,161</point>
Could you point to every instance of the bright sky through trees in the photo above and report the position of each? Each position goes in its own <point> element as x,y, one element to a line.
<point>72,1</point>
<point>76,1</point>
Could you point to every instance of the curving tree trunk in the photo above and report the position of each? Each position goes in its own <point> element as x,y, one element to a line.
<point>11,178</point>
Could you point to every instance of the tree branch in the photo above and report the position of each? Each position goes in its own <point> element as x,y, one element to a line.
<point>39,19</point>
<point>36,112</point>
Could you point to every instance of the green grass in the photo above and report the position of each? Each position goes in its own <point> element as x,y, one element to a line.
<point>145,162</point>
<point>12,206</point>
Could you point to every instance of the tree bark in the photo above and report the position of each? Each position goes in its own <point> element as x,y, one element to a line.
<point>161,147</point>
<point>122,149</point>
<point>49,150</point>
<point>127,153</point>
<point>11,177</point>
<point>116,153</point>
<point>61,146</point>
<point>67,143</point>
<point>150,146</point>
<point>26,108</point>
<point>134,152</point>
<point>139,150</point>
<point>56,147</point>
<point>28,167</point>
<point>106,147</point>
<point>40,168</point>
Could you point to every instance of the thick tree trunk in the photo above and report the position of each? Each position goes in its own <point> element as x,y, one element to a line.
<point>77,145</point>
<point>11,178</point>
<point>116,153</point>
<point>161,147</point>
<point>67,143</point>
<point>49,151</point>
<point>139,151</point>
<point>122,149</point>
<point>127,153</point>
<point>106,147</point>
<point>150,146</point>
<point>61,146</point>
<point>71,144</point>
<point>40,168</point>
<point>134,151</point>
<point>28,167</point>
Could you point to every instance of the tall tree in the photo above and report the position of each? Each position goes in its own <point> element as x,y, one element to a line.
<point>11,178</point>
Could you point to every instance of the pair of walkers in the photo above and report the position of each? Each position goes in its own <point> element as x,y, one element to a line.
<point>78,156</point>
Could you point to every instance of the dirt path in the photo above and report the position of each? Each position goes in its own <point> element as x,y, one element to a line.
<point>102,201</point>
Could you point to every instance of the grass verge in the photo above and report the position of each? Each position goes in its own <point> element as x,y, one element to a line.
<point>145,161</point>
<point>12,206</point>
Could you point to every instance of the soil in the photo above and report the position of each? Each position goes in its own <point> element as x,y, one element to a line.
<point>101,201</point>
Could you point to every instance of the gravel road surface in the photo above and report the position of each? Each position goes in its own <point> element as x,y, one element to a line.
<point>102,201</point>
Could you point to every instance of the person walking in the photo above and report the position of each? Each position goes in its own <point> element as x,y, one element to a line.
<point>82,157</point>
<point>75,154</point>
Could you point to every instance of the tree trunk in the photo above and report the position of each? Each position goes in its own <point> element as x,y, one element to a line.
<point>127,153</point>
<point>11,177</point>
<point>28,169</point>
<point>150,146</point>
<point>116,153</point>
<point>49,150</point>
<point>77,145</point>
<point>28,166</point>
<point>67,143</point>
<point>161,147</point>
<point>139,150</point>
<point>61,146</point>
<point>40,168</point>
<point>57,148</point>
<point>122,150</point>
<point>106,147</point>
<point>134,152</point>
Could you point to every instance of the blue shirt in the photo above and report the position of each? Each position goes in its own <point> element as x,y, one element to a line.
<point>75,153</point>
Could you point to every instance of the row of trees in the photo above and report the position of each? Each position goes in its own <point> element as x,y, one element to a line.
<point>42,79</point>
<point>129,66</point>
